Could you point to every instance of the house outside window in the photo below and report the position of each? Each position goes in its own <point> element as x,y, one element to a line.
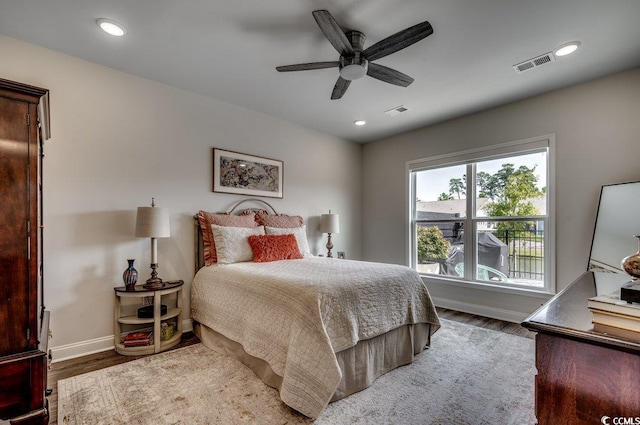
<point>484,217</point>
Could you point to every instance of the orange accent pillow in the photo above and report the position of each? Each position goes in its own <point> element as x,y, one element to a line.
<point>274,247</point>
<point>206,219</point>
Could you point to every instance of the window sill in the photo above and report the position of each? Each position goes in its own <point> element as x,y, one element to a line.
<point>487,286</point>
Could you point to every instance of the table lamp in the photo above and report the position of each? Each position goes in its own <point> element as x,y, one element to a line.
<point>153,222</point>
<point>329,223</point>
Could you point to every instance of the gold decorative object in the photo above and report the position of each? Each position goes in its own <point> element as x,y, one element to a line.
<point>631,264</point>
<point>630,291</point>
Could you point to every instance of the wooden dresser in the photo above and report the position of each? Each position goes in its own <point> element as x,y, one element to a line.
<point>583,375</point>
<point>24,321</point>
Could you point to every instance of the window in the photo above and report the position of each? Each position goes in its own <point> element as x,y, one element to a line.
<point>484,217</point>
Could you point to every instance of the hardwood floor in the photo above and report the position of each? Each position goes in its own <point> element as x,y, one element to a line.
<point>485,322</point>
<point>68,368</point>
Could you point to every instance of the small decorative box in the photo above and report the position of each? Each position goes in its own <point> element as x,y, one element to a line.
<point>167,331</point>
<point>146,312</point>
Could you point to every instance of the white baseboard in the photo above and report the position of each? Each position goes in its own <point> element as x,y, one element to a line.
<point>482,310</point>
<point>82,348</point>
<point>92,346</point>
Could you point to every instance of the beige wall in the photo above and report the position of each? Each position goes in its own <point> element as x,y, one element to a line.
<point>117,140</point>
<point>597,128</point>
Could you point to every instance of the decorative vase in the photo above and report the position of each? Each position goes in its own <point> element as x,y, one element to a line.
<point>130,276</point>
<point>631,264</point>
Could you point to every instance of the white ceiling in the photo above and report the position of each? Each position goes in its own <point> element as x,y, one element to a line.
<point>228,50</point>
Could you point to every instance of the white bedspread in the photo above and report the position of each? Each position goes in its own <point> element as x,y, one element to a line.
<point>295,314</point>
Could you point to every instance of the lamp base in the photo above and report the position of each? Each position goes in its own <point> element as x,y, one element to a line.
<point>329,246</point>
<point>153,285</point>
<point>154,282</point>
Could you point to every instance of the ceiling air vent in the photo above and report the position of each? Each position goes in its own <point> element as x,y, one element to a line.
<point>534,63</point>
<point>397,110</point>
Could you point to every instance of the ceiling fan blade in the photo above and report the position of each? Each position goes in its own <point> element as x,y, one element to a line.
<point>333,32</point>
<point>398,41</point>
<point>388,75</point>
<point>341,86</point>
<point>308,66</point>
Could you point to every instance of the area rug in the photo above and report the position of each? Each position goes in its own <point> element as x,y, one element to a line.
<point>470,375</point>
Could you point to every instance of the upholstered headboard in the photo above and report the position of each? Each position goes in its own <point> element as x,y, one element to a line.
<point>199,244</point>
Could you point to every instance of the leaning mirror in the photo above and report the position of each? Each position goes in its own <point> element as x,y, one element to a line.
<point>617,222</point>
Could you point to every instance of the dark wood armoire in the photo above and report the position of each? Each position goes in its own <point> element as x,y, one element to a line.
<point>24,322</point>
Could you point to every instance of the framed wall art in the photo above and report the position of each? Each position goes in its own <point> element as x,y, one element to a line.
<point>243,174</point>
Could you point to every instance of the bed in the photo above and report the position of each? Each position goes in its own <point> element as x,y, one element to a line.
<point>317,329</point>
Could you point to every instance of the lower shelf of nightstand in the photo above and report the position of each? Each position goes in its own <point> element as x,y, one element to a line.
<point>148,349</point>
<point>135,320</point>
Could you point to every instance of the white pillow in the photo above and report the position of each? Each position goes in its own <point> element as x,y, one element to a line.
<point>232,243</point>
<point>299,232</point>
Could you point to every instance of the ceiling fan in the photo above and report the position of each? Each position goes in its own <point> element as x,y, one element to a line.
<point>355,62</point>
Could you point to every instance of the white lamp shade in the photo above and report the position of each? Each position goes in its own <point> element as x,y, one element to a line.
<point>152,222</point>
<point>329,223</point>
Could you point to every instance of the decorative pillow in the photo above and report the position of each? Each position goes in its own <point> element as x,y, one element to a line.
<point>274,247</point>
<point>206,219</point>
<point>265,219</point>
<point>299,232</point>
<point>232,245</point>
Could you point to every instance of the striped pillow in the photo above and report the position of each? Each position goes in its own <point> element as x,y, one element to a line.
<point>206,219</point>
<point>279,220</point>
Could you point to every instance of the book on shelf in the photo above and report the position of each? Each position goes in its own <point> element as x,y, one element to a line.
<point>138,335</point>
<point>612,302</point>
<point>137,339</point>
<point>137,343</point>
<point>617,332</point>
<point>617,320</point>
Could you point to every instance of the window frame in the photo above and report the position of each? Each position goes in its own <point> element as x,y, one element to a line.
<point>470,158</point>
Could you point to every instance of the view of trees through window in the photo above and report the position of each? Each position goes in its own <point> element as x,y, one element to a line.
<point>504,204</point>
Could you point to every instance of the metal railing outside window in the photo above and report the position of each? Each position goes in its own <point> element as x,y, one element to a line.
<point>526,253</point>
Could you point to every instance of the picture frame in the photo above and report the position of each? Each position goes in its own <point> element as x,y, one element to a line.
<point>243,174</point>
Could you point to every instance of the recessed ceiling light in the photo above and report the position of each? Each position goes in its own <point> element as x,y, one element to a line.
<point>111,27</point>
<point>359,123</point>
<point>567,48</point>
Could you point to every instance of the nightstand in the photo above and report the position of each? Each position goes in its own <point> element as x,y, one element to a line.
<point>170,294</point>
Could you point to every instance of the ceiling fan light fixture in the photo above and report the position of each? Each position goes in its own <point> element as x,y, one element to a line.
<point>353,68</point>
<point>566,49</point>
<point>111,27</point>
<point>353,72</point>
